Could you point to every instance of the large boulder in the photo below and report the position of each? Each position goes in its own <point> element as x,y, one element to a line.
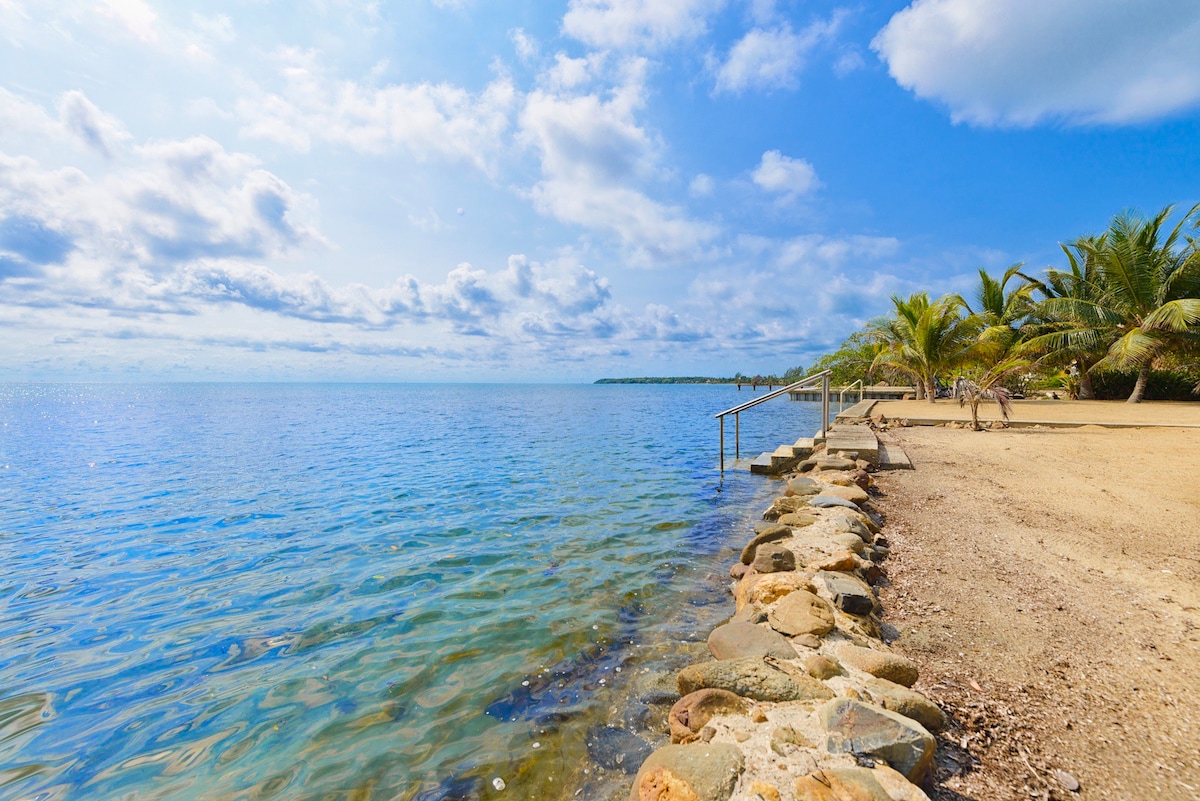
<point>798,519</point>
<point>738,639</point>
<point>802,485</point>
<point>771,534</point>
<point>696,772</point>
<point>849,594</point>
<point>882,664</point>
<point>861,729</point>
<point>911,704</point>
<point>770,558</point>
<point>751,678</point>
<point>692,712</point>
<point>760,590</point>
<point>827,501</point>
<point>853,493</point>
<point>840,784</point>
<point>801,612</point>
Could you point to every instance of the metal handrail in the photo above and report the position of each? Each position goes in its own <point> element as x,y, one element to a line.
<point>842,395</point>
<point>822,376</point>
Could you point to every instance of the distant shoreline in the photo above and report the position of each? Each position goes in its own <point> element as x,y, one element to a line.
<point>688,379</point>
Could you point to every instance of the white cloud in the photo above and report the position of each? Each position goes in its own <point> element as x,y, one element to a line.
<point>525,45</point>
<point>594,155</point>
<point>424,118</point>
<point>785,175</point>
<point>701,186</point>
<point>100,132</point>
<point>137,17</point>
<point>627,24</point>
<point>1021,62</point>
<point>772,58</point>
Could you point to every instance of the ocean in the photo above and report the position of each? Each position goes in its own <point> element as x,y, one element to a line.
<point>400,591</point>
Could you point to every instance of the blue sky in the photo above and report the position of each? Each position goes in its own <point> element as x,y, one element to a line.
<point>560,191</point>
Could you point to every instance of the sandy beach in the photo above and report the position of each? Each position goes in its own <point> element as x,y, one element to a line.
<point>1047,581</point>
<point>1119,413</point>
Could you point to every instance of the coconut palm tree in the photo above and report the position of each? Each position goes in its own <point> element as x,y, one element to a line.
<point>1144,298</point>
<point>924,339</point>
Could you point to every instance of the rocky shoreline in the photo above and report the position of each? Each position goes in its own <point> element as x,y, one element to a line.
<point>802,699</point>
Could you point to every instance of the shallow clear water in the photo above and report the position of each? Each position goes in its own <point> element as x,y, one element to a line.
<point>304,591</point>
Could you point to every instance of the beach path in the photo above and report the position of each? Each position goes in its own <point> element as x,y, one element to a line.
<point>1047,581</point>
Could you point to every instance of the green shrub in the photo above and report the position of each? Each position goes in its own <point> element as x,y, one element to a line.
<point>1177,385</point>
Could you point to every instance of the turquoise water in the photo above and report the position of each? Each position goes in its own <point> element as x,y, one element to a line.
<point>335,591</point>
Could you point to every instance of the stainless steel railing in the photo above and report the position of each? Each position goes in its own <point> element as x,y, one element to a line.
<point>842,395</point>
<point>822,376</point>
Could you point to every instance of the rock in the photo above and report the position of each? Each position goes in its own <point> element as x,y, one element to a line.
<point>851,542</point>
<point>657,689</point>
<point>786,736</point>
<point>770,558</point>
<point>802,486</point>
<point>820,666</point>
<point>751,678</point>
<point>1067,780</point>
<point>693,711</point>
<point>806,465</point>
<point>859,729</point>
<point>842,560</point>
<point>840,784</point>
<point>798,519</point>
<point>838,479</point>
<point>760,590</point>
<point>738,570</point>
<point>864,466</point>
<point>835,463</point>
<point>617,749</point>
<point>854,493</point>
<point>738,639</point>
<point>697,772</point>
<point>911,704</point>
<point>770,534</point>
<point>781,506</point>
<point>764,790</point>
<point>896,786</point>
<point>851,525</point>
<point>801,612</point>
<point>881,664</point>
<point>750,614</point>
<point>827,501</point>
<point>808,640</point>
<point>849,594</point>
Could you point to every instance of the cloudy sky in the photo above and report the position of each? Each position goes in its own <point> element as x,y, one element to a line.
<point>551,189</point>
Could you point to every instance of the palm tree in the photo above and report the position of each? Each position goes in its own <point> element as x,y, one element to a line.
<point>924,339</point>
<point>1144,299</point>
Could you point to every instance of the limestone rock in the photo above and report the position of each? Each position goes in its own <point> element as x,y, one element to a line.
<point>738,639</point>
<point>827,501</point>
<point>840,784</point>
<point>896,786</point>
<point>881,664</point>
<point>696,772</point>
<point>802,485</point>
<point>785,739</point>
<point>852,525</point>
<point>770,534</point>
<point>801,612</point>
<point>798,519</point>
<point>760,590</point>
<point>853,493</point>
<point>751,678</point>
<point>693,712</point>
<point>904,701</point>
<point>808,641</point>
<point>842,560</point>
<point>781,506</point>
<point>770,558</point>
<point>835,463</point>
<point>851,542</point>
<point>764,790</point>
<point>820,666</point>
<point>857,728</point>
<point>738,570</point>
<point>849,594</point>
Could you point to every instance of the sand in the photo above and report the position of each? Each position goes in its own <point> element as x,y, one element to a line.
<point>1066,411</point>
<point>1047,581</point>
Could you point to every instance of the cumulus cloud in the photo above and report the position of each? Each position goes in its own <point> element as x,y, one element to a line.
<point>426,119</point>
<point>772,58</point>
<point>785,175</point>
<point>1022,62</point>
<point>594,156</point>
<point>629,24</point>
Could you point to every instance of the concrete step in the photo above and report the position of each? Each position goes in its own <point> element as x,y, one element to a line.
<point>761,463</point>
<point>859,411</point>
<point>892,457</point>
<point>854,438</point>
<point>803,448</point>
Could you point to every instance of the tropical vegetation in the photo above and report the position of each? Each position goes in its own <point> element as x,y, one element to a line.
<point>1124,311</point>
